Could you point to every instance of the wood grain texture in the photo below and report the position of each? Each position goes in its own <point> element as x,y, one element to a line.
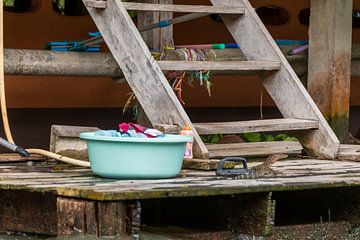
<point>101,219</point>
<point>254,149</point>
<point>349,152</point>
<point>166,33</point>
<point>284,86</point>
<point>268,125</point>
<point>183,8</point>
<point>158,38</point>
<point>219,65</point>
<point>95,4</point>
<point>142,72</point>
<point>329,64</point>
<point>66,141</point>
<point>77,182</point>
<point>44,62</point>
<point>73,216</point>
<point>111,218</point>
<point>151,37</point>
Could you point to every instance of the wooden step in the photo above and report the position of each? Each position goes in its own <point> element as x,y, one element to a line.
<point>254,149</point>
<point>184,8</point>
<point>268,125</point>
<point>349,152</point>
<point>219,65</point>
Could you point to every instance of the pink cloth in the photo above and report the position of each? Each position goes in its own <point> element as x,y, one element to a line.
<point>135,130</point>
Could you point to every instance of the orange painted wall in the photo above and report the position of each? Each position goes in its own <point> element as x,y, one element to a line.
<point>33,30</point>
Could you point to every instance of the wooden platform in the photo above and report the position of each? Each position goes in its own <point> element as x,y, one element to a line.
<point>69,181</point>
<point>55,199</point>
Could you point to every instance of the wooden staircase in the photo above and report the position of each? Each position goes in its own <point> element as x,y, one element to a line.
<point>145,76</point>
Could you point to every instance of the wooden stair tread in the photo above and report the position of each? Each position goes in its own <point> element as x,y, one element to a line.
<point>349,152</point>
<point>254,149</point>
<point>184,8</point>
<point>268,125</point>
<point>219,65</point>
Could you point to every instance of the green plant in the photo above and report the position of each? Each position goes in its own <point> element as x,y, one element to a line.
<point>213,138</point>
<point>258,137</point>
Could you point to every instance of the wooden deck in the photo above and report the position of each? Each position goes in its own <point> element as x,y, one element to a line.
<point>56,199</point>
<point>78,182</point>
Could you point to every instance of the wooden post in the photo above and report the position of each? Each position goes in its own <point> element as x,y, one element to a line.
<point>156,39</point>
<point>101,219</point>
<point>330,61</point>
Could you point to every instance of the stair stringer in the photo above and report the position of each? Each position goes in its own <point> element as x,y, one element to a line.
<point>140,69</point>
<point>284,86</point>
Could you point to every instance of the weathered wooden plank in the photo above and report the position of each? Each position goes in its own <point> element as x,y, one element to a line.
<point>184,8</point>
<point>71,131</point>
<point>290,175</point>
<point>284,86</point>
<point>158,38</point>
<point>166,34</point>
<point>329,75</point>
<point>212,187</point>
<point>349,152</point>
<point>66,141</point>
<point>101,219</point>
<point>75,215</point>
<point>219,65</point>
<point>268,125</point>
<point>141,70</point>
<point>151,37</point>
<point>24,211</point>
<point>111,218</point>
<point>254,149</point>
<point>95,4</point>
<point>44,62</point>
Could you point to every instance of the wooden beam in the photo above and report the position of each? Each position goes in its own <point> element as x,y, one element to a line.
<point>142,72</point>
<point>284,86</point>
<point>330,61</point>
<point>183,8</point>
<point>51,63</point>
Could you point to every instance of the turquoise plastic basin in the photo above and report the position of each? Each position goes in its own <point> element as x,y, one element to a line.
<point>136,158</point>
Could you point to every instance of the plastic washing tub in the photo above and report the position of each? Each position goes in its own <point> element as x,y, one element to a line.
<point>136,158</point>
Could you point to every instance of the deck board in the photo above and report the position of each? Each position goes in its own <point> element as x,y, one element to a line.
<point>79,182</point>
